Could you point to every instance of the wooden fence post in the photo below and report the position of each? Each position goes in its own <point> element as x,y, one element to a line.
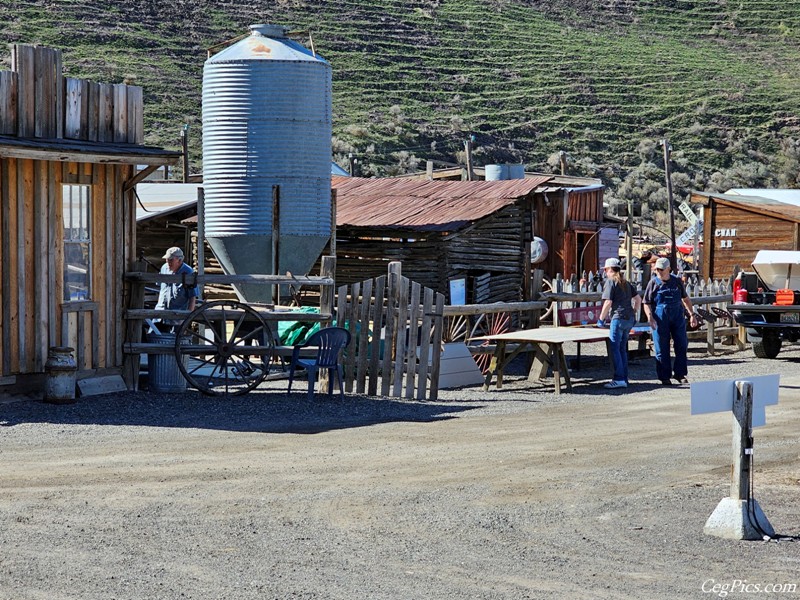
<point>394,275</point>
<point>133,333</point>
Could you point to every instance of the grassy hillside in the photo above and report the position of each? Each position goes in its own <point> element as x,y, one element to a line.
<point>600,80</point>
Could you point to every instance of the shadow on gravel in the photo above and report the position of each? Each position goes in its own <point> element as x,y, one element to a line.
<point>261,411</point>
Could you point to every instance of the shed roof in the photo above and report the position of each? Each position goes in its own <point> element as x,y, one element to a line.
<point>785,211</point>
<point>61,149</point>
<point>423,205</point>
<point>159,199</point>
<point>782,195</point>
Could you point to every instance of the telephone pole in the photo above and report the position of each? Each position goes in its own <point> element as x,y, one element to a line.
<point>673,259</point>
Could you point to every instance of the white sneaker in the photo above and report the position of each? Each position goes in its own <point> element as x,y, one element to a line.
<point>616,384</point>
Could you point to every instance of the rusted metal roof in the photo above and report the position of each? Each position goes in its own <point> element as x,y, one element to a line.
<point>421,205</point>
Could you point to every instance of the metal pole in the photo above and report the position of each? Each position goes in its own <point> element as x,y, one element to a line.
<point>696,250</point>
<point>333,224</point>
<point>201,236</point>
<point>185,148</point>
<point>276,234</point>
<point>673,259</point>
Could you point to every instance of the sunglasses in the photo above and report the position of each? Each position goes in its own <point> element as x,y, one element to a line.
<point>657,269</point>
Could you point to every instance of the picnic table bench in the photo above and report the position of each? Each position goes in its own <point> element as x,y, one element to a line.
<point>548,346</point>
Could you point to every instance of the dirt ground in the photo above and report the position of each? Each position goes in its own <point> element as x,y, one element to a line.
<point>504,494</point>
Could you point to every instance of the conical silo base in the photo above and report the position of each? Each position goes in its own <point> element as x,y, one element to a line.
<point>252,255</point>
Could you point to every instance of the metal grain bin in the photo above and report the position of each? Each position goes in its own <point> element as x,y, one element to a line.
<point>496,172</point>
<point>266,122</point>
<point>516,171</point>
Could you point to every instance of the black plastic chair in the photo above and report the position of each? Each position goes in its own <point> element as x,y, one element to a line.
<point>329,343</point>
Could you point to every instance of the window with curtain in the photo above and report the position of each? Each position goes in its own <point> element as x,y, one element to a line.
<point>77,242</point>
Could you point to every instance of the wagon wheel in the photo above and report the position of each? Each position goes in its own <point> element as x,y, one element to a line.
<point>489,324</point>
<point>224,348</point>
<point>455,329</point>
<point>547,287</point>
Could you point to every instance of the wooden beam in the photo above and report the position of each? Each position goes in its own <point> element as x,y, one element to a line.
<point>85,156</point>
<point>140,176</point>
<point>196,279</point>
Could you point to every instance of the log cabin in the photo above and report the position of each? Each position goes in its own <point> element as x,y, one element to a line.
<point>474,235</point>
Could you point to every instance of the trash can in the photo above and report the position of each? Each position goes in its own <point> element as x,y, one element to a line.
<point>163,372</point>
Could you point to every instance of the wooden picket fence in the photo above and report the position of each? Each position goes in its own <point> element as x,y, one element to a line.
<point>397,328</point>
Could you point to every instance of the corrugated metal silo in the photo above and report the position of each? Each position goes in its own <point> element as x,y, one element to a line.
<point>266,122</point>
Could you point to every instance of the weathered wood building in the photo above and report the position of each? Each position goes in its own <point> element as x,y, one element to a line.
<point>68,151</point>
<point>737,225</point>
<point>470,235</point>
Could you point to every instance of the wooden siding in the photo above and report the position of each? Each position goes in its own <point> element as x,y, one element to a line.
<point>34,314</point>
<point>754,232</point>
<point>41,111</point>
<point>585,206</point>
<point>549,224</point>
<point>37,101</point>
<point>491,253</point>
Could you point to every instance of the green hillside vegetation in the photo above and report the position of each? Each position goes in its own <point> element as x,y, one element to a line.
<point>603,81</point>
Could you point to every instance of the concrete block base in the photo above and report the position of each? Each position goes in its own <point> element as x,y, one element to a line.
<point>738,520</point>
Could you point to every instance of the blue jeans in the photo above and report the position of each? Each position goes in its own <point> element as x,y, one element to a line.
<point>671,323</point>
<point>619,333</point>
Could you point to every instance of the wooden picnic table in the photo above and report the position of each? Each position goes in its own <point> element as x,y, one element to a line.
<point>548,346</point>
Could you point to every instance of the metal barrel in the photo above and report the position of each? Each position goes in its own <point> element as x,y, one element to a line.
<point>163,373</point>
<point>516,171</point>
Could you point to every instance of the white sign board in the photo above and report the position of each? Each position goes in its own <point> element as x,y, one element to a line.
<point>688,213</point>
<point>718,396</point>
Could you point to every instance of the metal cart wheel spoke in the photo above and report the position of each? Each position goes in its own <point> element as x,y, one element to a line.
<point>224,348</point>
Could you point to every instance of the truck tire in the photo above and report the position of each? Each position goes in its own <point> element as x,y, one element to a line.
<point>767,345</point>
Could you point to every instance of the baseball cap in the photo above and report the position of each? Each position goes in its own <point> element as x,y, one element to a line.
<point>662,263</point>
<point>611,263</point>
<point>173,252</point>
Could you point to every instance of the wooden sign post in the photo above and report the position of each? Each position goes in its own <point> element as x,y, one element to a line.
<point>738,517</point>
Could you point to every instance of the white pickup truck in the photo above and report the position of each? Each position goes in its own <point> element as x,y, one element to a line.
<point>767,301</point>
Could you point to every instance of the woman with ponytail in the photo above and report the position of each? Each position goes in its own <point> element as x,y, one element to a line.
<point>621,304</point>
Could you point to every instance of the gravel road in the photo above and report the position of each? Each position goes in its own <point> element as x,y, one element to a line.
<point>511,493</point>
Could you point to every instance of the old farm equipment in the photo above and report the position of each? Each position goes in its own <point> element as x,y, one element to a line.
<point>224,347</point>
